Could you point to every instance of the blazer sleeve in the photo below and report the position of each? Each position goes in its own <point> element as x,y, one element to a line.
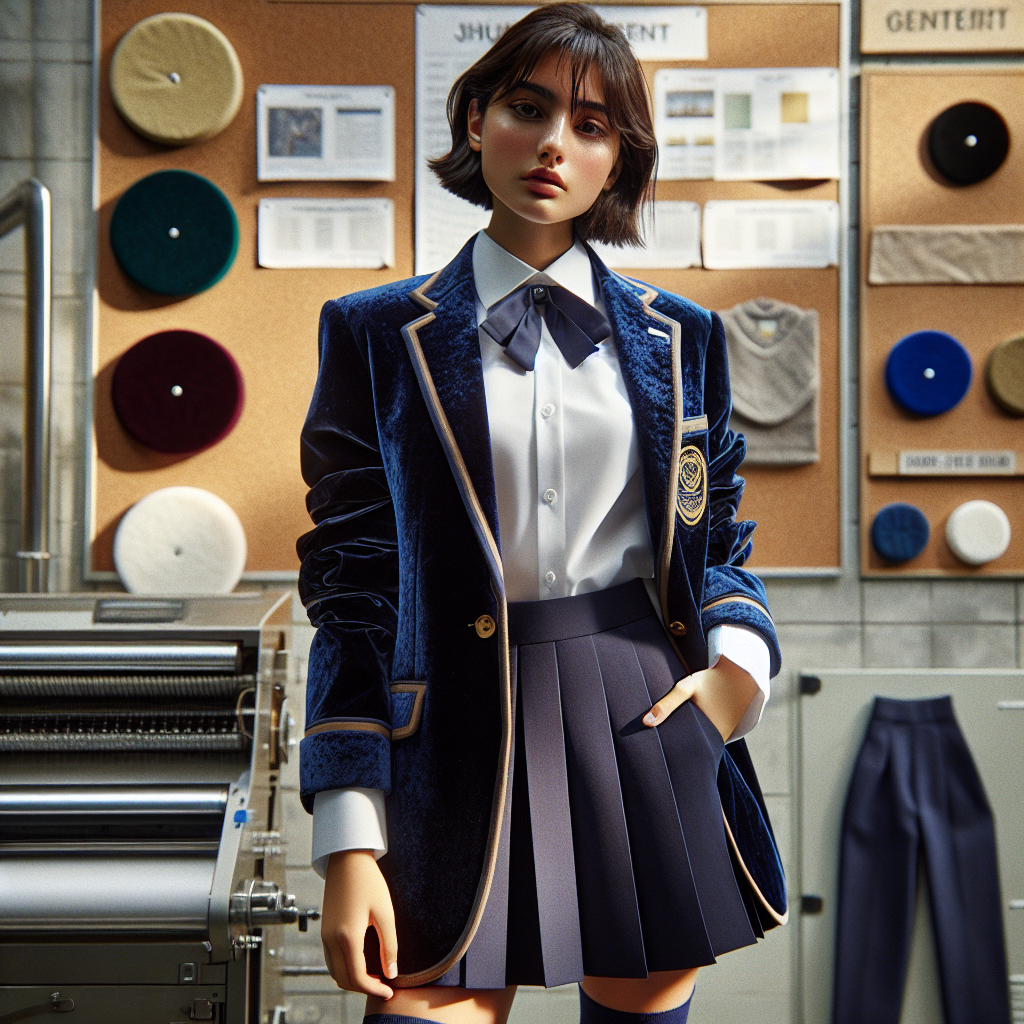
<point>731,593</point>
<point>349,576</point>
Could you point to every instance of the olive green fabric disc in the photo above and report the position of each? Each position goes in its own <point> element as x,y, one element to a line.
<point>1006,375</point>
<point>176,79</point>
<point>174,233</point>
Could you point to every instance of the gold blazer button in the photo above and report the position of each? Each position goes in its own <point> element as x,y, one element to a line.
<point>484,626</point>
<point>677,628</point>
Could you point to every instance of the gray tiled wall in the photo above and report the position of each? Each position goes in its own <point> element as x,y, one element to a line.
<point>45,110</point>
<point>45,74</point>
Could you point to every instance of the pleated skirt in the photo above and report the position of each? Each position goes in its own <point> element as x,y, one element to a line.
<point>613,859</point>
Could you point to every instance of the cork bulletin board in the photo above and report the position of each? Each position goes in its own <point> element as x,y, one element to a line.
<point>898,187</point>
<point>267,318</point>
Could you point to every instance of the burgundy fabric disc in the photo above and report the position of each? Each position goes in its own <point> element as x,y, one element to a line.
<point>178,391</point>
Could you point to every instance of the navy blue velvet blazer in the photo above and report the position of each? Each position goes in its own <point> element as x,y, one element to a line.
<point>409,688</point>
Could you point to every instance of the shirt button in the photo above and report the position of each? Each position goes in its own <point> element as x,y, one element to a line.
<point>547,410</point>
<point>550,495</point>
<point>549,578</point>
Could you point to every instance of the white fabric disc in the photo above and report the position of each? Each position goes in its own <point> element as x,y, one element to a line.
<point>180,540</point>
<point>978,532</point>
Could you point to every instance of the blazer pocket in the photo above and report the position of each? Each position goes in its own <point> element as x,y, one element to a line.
<point>407,698</point>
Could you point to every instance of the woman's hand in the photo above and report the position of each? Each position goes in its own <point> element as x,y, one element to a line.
<point>723,693</point>
<point>356,897</point>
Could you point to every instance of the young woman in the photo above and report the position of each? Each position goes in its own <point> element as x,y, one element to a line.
<point>534,635</point>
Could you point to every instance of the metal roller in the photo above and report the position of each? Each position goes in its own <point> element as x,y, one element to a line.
<point>119,800</point>
<point>169,687</point>
<point>98,818</point>
<point>108,657</point>
<point>114,743</point>
<point>158,895</point>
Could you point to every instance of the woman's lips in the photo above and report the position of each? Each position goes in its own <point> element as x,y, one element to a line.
<point>544,183</point>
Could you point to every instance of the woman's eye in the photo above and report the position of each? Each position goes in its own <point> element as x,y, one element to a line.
<point>525,109</point>
<point>591,128</point>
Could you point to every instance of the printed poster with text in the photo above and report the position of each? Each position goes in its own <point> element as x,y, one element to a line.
<point>747,124</point>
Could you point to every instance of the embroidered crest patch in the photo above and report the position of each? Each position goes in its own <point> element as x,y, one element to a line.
<point>692,495</point>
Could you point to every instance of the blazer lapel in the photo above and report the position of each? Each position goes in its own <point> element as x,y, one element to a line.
<point>444,347</point>
<point>649,345</point>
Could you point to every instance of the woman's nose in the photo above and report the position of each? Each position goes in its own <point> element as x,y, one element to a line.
<point>551,148</point>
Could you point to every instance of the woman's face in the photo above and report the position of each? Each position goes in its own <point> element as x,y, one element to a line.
<point>543,161</point>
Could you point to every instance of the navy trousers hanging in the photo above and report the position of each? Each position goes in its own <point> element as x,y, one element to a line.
<point>916,792</point>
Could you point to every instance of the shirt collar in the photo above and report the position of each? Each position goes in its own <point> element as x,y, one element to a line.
<point>496,272</point>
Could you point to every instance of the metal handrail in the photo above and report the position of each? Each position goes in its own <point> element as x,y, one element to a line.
<point>29,204</point>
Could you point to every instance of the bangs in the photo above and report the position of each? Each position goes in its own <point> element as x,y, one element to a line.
<point>583,52</point>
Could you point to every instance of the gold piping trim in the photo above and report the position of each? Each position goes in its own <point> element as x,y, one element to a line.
<point>376,727</point>
<point>484,535</point>
<point>741,600</point>
<point>419,294</point>
<point>776,916</point>
<point>669,528</point>
<point>420,689</point>
<point>448,439</point>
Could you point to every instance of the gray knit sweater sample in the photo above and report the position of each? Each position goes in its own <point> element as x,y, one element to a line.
<point>773,366</point>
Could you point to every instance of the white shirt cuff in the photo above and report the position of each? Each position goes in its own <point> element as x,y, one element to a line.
<point>746,648</point>
<point>348,819</point>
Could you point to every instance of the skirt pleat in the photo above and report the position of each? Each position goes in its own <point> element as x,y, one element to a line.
<point>693,748</point>
<point>660,864</point>
<point>600,835</point>
<point>613,859</point>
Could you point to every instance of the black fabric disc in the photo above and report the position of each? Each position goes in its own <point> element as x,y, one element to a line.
<point>968,142</point>
<point>174,233</point>
<point>177,391</point>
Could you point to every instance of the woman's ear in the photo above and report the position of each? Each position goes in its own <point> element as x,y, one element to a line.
<point>475,125</point>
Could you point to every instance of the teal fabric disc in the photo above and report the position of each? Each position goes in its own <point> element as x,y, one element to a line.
<point>174,232</point>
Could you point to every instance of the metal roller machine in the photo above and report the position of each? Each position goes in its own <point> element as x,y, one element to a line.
<point>141,876</point>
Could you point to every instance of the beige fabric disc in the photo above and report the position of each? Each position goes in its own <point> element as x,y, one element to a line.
<point>1006,375</point>
<point>176,79</point>
<point>978,532</point>
<point>180,540</point>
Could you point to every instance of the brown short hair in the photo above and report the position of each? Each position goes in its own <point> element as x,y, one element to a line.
<point>577,33</point>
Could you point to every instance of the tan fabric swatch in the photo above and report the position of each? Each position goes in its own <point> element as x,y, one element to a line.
<point>1005,375</point>
<point>947,254</point>
<point>176,79</point>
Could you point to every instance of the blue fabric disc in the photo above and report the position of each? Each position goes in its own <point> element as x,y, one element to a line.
<point>174,232</point>
<point>928,372</point>
<point>899,532</point>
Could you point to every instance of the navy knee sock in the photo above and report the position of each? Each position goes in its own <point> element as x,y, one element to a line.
<point>595,1013</point>
<point>393,1018</point>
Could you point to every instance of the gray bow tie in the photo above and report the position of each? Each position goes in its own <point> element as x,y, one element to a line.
<point>514,322</point>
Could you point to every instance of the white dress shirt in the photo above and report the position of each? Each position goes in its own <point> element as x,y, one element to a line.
<point>570,512</point>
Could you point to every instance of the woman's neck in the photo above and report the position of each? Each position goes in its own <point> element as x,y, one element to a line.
<point>537,245</point>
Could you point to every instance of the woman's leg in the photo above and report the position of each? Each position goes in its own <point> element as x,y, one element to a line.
<point>445,1004</point>
<point>662,992</point>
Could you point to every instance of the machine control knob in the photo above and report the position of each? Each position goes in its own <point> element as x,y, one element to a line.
<point>61,1005</point>
<point>309,914</point>
<point>257,902</point>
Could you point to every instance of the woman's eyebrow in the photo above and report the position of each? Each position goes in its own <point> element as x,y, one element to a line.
<point>547,94</point>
